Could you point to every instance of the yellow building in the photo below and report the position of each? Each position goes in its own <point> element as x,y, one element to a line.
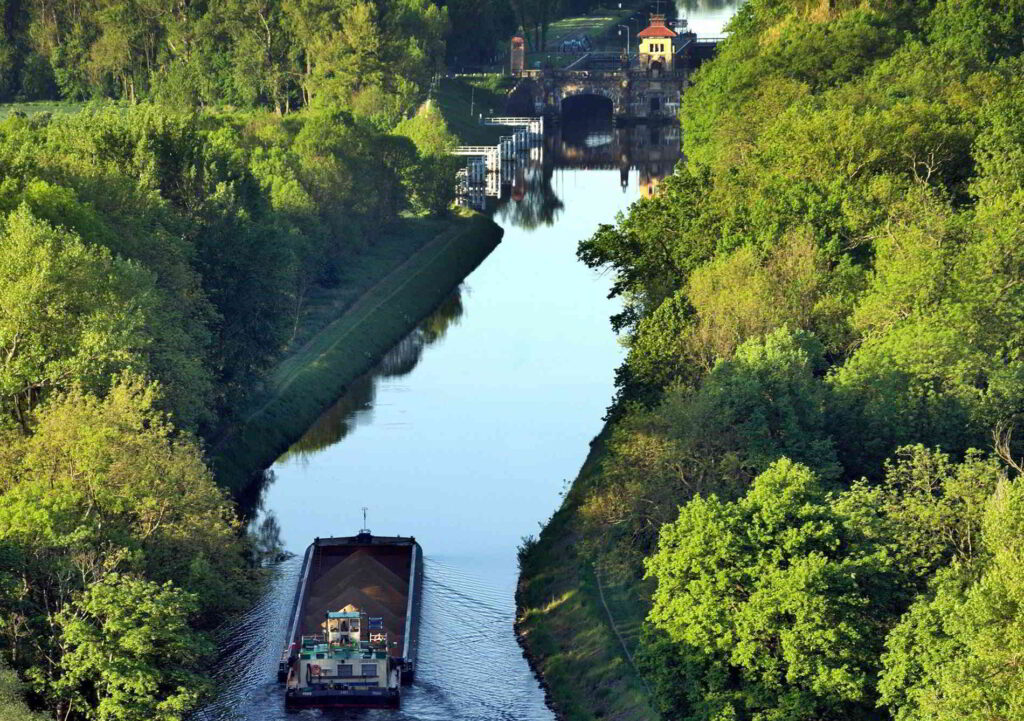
<point>657,48</point>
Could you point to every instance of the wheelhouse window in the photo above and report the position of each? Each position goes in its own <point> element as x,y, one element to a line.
<point>369,669</point>
<point>345,669</point>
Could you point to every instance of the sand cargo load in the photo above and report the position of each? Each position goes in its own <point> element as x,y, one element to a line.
<point>353,635</point>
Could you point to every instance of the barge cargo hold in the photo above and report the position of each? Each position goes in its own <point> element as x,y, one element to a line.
<point>352,639</point>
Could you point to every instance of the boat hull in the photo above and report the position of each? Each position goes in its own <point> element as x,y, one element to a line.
<point>327,698</point>
<point>380,575</point>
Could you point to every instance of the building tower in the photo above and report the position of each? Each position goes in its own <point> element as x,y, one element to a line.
<point>518,52</point>
<point>658,43</point>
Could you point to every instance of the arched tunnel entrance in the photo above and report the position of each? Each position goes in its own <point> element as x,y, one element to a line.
<point>577,107</point>
<point>586,119</point>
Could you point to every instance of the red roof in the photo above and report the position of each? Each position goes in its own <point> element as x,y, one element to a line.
<point>656,31</point>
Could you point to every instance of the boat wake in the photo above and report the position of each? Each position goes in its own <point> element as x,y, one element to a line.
<point>470,667</point>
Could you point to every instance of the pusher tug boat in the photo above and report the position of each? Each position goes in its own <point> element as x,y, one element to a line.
<point>352,639</point>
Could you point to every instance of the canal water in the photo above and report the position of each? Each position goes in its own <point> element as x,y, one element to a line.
<point>707,18</point>
<point>465,436</point>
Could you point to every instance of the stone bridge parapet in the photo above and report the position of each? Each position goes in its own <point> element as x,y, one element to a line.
<point>634,94</point>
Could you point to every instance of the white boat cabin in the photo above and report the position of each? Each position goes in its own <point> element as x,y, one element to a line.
<point>352,653</point>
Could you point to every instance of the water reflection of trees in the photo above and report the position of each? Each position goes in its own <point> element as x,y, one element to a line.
<point>532,202</point>
<point>355,406</point>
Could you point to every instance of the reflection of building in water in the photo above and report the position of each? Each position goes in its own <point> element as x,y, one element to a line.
<point>653,150</point>
<point>519,170</point>
<point>650,150</point>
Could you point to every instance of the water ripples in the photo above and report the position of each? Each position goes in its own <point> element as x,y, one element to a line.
<point>470,667</point>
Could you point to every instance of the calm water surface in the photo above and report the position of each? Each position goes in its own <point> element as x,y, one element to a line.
<point>465,436</point>
<point>707,18</point>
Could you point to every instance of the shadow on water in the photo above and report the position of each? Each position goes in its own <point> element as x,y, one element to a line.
<point>355,406</point>
<point>353,409</point>
<point>532,202</point>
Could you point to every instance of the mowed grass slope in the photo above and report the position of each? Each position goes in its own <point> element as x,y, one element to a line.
<point>464,98</point>
<point>53,107</point>
<point>595,26</point>
<point>564,627</point>
<point>312,376</point>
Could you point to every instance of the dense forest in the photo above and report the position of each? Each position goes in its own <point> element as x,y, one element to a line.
<point>159,244</point>
<point>155,260</point>
<point>813,463</point>
<point>375,56</point>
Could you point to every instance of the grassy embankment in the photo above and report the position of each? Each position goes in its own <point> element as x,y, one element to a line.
<point>601,26</point>
<point>464,98</point>
<point>53,107</point>
<point>394,291</point>
<point>565,618</point>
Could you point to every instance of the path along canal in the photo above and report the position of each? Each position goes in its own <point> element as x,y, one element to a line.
<point>464,436</point>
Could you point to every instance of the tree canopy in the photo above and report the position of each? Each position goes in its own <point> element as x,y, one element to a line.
<point>814,450</point>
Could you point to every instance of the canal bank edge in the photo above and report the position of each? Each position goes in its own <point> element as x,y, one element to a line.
<point>312,377</point>
<point>577,634</point>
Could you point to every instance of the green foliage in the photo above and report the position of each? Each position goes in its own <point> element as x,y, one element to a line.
<point>128,644</point>
<point>764,403</point>
<point>71,313</point>
<point>977,31</point>
<point>258,53</point>
<point>777,605</point>
<point>750,410</point>
<point>432,178</point>
<point>12,703</point>
<point>739,296</point>
<point>954,655</point>
<point>107,487</point>
<point>833,279</point>
<point>770,598</point>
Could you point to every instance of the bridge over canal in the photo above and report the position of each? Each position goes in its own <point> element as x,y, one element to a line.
<point>635,92</point>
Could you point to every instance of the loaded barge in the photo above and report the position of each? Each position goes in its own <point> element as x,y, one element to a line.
<point>352,638</point>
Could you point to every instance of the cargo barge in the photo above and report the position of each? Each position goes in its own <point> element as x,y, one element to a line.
<point>352,637</point>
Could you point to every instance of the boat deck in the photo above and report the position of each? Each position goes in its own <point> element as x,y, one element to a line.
<point>371,576</point>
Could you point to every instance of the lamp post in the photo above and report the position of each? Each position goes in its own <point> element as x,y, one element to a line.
<point>627,38</point>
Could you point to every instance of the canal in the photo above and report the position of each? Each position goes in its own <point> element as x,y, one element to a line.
<point>465,436</point>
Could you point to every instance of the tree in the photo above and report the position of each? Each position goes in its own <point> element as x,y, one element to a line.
<point>955,655</point>
<point>740,296</point>
<point>653,248</point>
<point>432,182</point>
<point>767,601</point>
<point>109,486</point>
<point>777,605</point>
<point>260,44</point>
<point>72,314</point>
<point>129,652</point>
<point>12,703</point>
<point>764,403</point>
